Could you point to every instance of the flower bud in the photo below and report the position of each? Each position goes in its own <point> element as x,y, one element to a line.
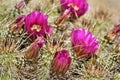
<point>61,62</point>
<point>32,52</point>
<point>113,33</point>
<point>20,5</point>
<point>18,23</point>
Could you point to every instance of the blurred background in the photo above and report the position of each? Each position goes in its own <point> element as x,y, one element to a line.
<point>112,6</point>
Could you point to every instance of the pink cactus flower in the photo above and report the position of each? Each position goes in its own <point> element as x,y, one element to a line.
<point>32,52</point>
<point>61,62</point>
<point>71,8</point>
<point>36,24</point>
<point>84,43</point>
<point>77,7</point>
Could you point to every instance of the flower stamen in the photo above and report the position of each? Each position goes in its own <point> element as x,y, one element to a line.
<point>36,27</point>
<point>75,7</point>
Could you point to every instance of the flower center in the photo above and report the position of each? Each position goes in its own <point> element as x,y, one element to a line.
<point>36,27</point>
<point>74,6</point>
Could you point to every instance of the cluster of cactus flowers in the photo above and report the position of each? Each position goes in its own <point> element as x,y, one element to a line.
<point>84,43</point>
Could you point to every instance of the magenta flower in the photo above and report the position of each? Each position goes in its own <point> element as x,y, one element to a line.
<point>32,52</point>
<point>61,62</point>
<point>36,24</point>
<point>77,7</point>
<point>71,8</point>
<point>84,43</point>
